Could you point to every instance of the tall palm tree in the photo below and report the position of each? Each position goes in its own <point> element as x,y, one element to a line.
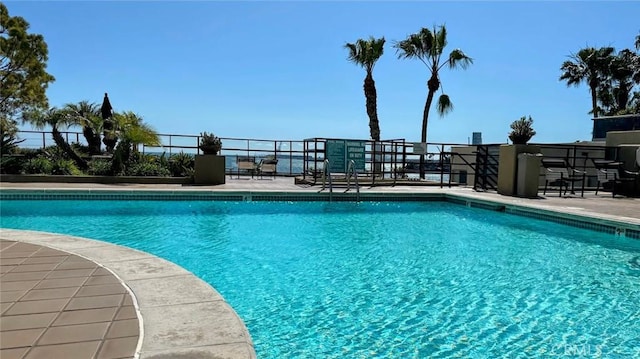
<point>57,118</point>
<point>365,53</point>
<point>87,115</point>
<point>591,66</point>
<point>131,131</point>
<point>428,46</point>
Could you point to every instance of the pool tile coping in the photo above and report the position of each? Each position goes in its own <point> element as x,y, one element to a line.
<point>172,321</point>
<point>567,215</point>
<point>575,217</point>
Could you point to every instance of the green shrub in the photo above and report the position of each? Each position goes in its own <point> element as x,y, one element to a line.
<point>11,164</point>
<point>82,150</point>
<point>147,169</point>
<point>54,152</point>
<point>8,136</point>
<point>15,163</point>
<point>65,167</point>
<point>99,167</point>
<point>29,152</point>
<point>181,164</point>
<point>163,160</point>
<point>38,165</point>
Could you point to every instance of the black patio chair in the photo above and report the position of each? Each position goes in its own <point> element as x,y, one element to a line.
<point>559,173</point>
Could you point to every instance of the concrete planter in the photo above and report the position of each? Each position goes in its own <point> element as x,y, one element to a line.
<point>209,170</point>
<point>508,166</point>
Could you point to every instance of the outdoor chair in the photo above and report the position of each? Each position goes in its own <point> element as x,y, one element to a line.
<point>607,174</point>
<point>637,164</point>
<point>267,166</point>
<point>634,174</point>
<point>247,165</point>
<point>559,173</point>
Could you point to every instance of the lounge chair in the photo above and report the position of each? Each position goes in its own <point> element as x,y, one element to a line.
<point>268,167</point>
<point>559,173</point>
<point>246,164</point>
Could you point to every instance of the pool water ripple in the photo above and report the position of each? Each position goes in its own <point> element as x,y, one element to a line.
<point>364,280</point>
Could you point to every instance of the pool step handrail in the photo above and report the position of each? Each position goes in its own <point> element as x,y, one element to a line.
<point>325,174</point>
<point>351,171</point>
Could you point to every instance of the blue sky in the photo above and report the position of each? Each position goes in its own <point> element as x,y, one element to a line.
<point>278,70</point>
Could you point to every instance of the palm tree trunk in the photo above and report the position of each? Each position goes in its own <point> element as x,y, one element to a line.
<point>108,138</point>
<point>371,97</point>
<point>64,146</point>
<point>93,140</point>
<point>121,157</point>
<point>433,84</point>
<point>622,97</point>
<point>425,121</point>
<point>594,100</point>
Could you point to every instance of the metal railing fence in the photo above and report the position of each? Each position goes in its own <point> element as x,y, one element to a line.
<point>446,163</point>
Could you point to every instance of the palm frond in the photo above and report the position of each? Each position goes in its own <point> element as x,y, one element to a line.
<point>444,105</point>
<point>440,40</point>
<point>53,117</point>
<point>365,53</point>
<point>130,127</point>
<point>418,46</point>
<point>573,73</point>
<point>458,58</point>
<point>84,114</point>
<point>353,53</point>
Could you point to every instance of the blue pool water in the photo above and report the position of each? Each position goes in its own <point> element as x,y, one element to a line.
<point>401,280</point>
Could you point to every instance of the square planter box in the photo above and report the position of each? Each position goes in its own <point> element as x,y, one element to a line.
<point>508,167</point>
<point>209,170</point>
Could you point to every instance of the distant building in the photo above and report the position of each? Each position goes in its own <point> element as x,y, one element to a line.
<point>602,125</point>
<point>476,139</point>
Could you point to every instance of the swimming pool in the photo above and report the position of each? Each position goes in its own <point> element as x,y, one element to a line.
<point>382,279</point>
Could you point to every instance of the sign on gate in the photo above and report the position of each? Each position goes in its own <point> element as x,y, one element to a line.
<point>340,152</point>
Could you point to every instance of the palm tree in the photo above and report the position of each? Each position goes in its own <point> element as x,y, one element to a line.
<point>615,91</point>
<point>87,115</point>
<point>591,66</point>
<point>365,53</point>
<point>131,131</point>
<point>427,46</point>
<point>57,118</point>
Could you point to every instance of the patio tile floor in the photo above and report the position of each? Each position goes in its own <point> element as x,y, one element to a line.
<point>58,305</point>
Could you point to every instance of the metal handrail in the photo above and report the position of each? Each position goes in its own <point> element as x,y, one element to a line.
<point>351,170</point>
<point>325,171</point>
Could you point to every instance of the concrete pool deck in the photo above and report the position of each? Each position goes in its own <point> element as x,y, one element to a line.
<point>182,316</point>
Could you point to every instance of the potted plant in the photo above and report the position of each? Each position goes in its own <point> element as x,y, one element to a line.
<point>521,131</point>
<point>210,144</point>
<point>209,168</point>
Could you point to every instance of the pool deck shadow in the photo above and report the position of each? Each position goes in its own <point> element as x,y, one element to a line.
<point>179,315</point>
